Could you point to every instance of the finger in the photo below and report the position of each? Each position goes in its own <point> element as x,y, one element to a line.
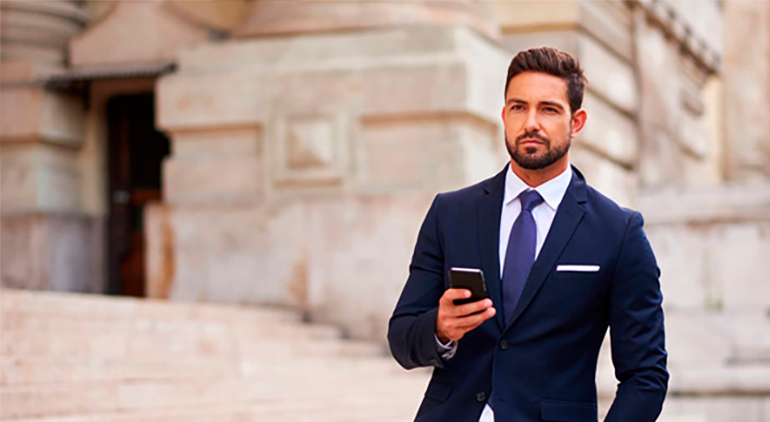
<point>472,321</point>
<point>453,294</point>
<point>446,303</point>
<point>473,307</point>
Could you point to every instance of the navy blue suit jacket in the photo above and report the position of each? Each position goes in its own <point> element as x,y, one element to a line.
<point>542,366</point>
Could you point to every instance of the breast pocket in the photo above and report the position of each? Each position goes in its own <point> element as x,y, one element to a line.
<point>573,271</point>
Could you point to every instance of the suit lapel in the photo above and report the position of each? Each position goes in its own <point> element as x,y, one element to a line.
<point>566,220</point>
<point>489,209</point>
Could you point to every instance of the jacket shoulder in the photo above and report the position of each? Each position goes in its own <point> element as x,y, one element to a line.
<point>469,192</point>
<point>609,209</point>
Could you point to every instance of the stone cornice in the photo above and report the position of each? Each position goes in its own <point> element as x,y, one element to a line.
<point>728,203</point>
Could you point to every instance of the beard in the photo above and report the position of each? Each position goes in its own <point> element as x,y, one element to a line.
<point>530,159</point>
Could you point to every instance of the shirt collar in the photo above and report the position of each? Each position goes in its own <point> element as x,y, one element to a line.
<point>552,191</point>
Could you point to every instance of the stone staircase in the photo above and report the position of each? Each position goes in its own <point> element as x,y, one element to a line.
<point>87,358</point>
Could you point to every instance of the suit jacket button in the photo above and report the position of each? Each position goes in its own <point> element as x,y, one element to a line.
<point>503,344</point>
<point>481,397</point>
<point>433,362</point>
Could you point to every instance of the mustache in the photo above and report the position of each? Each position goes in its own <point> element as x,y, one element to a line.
<point>533,135</point>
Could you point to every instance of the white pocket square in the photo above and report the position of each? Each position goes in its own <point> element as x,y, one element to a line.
<point>578,268</point>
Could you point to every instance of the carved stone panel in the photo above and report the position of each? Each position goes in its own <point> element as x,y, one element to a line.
<point>310,149</point>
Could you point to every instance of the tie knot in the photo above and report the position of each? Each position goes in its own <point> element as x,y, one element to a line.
<point>530,199</point>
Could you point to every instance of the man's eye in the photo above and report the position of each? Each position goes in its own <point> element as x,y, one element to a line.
<point>551,110</point>
<point>517,107</point>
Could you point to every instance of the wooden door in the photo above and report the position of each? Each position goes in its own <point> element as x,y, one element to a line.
<point>135,155</point>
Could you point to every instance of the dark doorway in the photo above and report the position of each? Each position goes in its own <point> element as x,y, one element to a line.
<point>135,153</point>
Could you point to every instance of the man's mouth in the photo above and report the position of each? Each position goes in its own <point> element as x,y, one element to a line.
<point>530,142</point>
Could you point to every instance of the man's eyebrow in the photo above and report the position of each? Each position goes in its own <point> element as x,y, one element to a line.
<point>542,103</point>
<point>515,100</point>
<point>552,104</point>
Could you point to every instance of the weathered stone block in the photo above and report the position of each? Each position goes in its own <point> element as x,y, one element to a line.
<point>735,202</point>
<point>48,251</point>
<point>609,75</point>
<point>607,177</point>
<point>739,253</point>
<point>424,154</point>
<point>284,18</point>
<point>223,179</point>
<point>713,409</point>
<point>33,114</point>
<point>683,258</point>
<point>609,132</point>
<point>240,254</point>
<point>352,283</point>
<point>714,266</point>
<point>38,177</point>
<point>527,13</point>
<point>214,165</point>
<point>527,24</point>
<point>399,71</point>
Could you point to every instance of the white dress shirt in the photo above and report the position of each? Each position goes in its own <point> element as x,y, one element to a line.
<point>553,192</point>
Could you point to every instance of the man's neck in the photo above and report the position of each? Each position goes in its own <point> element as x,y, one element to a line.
<point>535,178</point>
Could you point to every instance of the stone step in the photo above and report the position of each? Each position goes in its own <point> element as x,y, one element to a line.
<point>750,379</point>
<point>368,409</point>
<point>43,370</point>
<point>32,370</point>
<point>77,358</point>
<point>42,400</point>
<point>90,306</point>
<point>101,327</point>
<point>307,339</point>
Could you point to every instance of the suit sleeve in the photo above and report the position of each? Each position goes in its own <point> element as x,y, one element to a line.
<point>636,330</point>
<point>411,332</point>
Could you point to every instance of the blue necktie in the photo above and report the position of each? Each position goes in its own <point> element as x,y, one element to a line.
<point>520,255</point>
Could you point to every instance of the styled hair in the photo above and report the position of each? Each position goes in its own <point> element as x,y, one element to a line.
<point>553,62</point>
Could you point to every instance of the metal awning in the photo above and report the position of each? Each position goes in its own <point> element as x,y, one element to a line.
<point>71,77</point>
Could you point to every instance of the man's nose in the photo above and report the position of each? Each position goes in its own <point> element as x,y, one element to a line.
<point>532,124</point>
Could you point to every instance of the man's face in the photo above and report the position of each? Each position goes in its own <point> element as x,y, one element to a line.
<point>538,123</point>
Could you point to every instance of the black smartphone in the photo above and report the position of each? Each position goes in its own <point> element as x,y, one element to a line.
<point>468,278</point>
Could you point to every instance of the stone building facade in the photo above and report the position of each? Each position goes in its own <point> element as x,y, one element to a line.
<point>286,153</point>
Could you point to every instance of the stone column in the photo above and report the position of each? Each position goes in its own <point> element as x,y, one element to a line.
<point>304,163</point>
<point>46,238</point>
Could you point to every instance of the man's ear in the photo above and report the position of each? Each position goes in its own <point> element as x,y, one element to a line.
<point>578,121</point>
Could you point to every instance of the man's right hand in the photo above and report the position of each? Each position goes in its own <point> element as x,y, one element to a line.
<point>453,321</point>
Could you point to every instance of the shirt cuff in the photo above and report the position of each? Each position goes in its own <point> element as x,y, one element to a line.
<point>446,351</point>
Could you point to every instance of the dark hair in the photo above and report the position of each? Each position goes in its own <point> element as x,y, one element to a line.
<point>553,62</point>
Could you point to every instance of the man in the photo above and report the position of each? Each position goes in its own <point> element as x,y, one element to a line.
<point>562,264</point>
